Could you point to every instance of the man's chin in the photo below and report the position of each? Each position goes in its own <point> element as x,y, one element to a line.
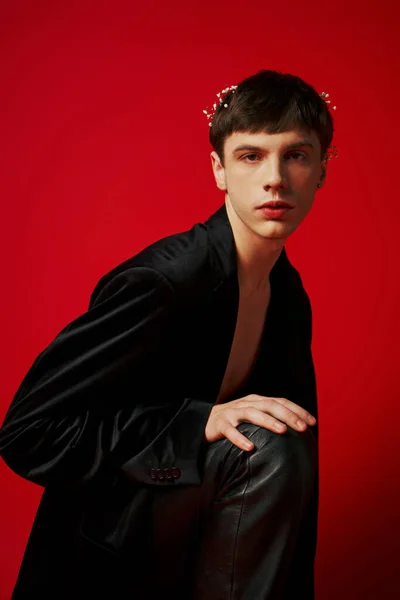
<point>274,230</point>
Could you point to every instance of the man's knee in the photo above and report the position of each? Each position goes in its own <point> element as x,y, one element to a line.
<point>288,458</point>
<point>285,442</point>
<point>285,462</point>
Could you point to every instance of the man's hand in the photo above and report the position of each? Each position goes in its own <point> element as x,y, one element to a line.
<point>260,410</point>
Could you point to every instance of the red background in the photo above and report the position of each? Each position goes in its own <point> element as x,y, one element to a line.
<point>104,149</point>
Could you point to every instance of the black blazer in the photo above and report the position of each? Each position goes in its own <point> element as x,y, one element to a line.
<point>125,390</point>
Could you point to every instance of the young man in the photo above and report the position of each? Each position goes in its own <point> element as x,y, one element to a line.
<point>164,423</point>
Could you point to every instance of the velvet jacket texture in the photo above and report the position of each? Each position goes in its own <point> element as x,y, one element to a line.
<point>116,406</point>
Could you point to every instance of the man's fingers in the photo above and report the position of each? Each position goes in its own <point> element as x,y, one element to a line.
<point>274,422</point>
<point>234,436</point>
<point>299,410</point>
<point>273,419</point>
<point>269,404</point>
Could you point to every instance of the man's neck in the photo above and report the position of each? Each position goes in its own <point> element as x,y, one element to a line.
<point>255,255</point>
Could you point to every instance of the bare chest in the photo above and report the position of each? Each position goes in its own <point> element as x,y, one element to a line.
<point>246,341</point>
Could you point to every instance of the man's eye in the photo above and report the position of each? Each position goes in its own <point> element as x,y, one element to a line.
<point>249,155</point>
<point>298,154</point>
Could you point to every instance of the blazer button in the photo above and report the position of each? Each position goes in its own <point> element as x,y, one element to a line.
<point>153,474</point>
<point>176,473</point>
<point>160,474</point>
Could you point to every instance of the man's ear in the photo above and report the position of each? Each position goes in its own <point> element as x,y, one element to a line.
<point>218,170</point>
<point>323,173</point>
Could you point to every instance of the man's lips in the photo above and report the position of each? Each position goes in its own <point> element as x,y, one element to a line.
<point>276,204</point>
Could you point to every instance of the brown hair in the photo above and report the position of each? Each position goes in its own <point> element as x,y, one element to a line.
<point>271,102</point>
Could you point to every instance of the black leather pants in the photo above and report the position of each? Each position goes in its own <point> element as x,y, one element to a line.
<point>249,532</point>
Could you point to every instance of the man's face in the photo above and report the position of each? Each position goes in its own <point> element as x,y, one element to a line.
<point>261,167</point>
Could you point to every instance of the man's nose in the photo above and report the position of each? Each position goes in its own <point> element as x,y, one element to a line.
<point>274,177</point>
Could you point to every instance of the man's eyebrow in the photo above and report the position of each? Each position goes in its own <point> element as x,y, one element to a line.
<point>261,149</point>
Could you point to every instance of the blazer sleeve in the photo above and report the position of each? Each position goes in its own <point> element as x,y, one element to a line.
<point>79,413</point>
